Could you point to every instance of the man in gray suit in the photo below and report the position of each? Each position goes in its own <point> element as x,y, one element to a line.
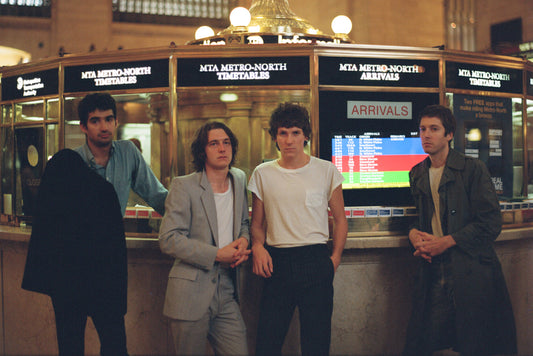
<point>209,240</point>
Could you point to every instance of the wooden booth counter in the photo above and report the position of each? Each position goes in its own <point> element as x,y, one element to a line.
<point>372,297</point>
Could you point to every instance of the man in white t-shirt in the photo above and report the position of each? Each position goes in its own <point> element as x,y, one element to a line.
<point>291,196</point>
<point>208,240</point>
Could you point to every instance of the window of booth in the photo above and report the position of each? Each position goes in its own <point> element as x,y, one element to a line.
<point>29,111</point>
<point>518,149</point>
<point>245,112</point>
<point>28,167</point>
<point>373,140</point>
<point>29,137</point>
<point>5,114</point>
<point>491,129</point>
<point>144,117</point>
<point>52,130</point>
<point>6,160</point>
<point>36,139</point>
<point>529,120</point>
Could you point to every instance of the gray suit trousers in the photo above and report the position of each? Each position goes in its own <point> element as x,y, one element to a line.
<point>222,325</point>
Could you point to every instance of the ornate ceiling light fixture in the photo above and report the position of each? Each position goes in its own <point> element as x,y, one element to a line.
<point>272,21</point>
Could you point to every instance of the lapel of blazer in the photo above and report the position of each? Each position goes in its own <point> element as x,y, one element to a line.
<point>238,190</point>
<point>208,202</point>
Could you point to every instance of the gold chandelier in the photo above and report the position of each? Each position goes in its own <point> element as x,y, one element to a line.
<point>270,21</point>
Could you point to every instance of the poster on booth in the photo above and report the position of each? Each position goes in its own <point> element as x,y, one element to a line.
<point>29,167</point>
<point>484,131</point>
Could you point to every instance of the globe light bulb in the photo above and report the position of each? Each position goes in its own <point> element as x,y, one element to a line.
<point>341,25</point>
<point>203,32</point>
<point>228,97</point>
<point>240,17</point>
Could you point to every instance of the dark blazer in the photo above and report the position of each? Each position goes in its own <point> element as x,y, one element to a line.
<point>189,232</point>
<point>77,247</point>
<point>470,212</point>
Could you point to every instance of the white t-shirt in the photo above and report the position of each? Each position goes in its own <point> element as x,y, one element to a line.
<point>224,204</point>
<point>296,201</point>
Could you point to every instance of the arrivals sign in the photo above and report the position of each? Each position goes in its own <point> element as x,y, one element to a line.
<point>376,110</point>
<point>30,85</point>
<point>378,72</point>
<point>114,76</point>
<point>193,72</point>
<point>479,77</point>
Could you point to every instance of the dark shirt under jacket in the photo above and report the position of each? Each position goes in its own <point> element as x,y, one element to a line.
<point>77,247</point>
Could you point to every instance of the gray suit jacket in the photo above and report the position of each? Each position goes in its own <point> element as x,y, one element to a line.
<point>189,232</point>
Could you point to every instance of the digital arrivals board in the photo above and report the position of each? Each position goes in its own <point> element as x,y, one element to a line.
<point>375,162</point>
<point>372,138</point>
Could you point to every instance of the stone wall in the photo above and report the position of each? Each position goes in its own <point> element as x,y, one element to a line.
<point>372,301</point>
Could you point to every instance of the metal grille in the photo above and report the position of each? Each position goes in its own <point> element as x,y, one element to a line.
<point>30,8</point>
<point>174,12</point>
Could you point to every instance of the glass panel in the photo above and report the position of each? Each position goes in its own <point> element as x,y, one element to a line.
<point>140,116</point>
<point>530,147</point>
<point>246,112</point>
<point>29,112</point>
<point>73,135</point>
<point>144,117</point>
<point>490,128</point>
<point>28,168</point>
<point>52,109</point>
<point>52,141</point>
<point>518,150</point>
<point>6,169</point>
<point>5,114</point>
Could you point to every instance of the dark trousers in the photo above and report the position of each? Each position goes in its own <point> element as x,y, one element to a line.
<point>303,278</point>
<point>71,318</point>
<point>442,307</point>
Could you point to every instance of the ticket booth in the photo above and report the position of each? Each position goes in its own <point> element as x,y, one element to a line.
<point>363,101</point>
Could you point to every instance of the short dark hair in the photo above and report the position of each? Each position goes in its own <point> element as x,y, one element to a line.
<point>290,115</point>
<point>96,101</point>
<point>200,142</point>
<point>441,112</point>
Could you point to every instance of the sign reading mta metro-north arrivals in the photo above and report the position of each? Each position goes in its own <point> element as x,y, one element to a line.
<point>30,85</point>
<point>194,72</point>
<point>114,76</point>
<point>478,77</point>
<point>378,72</point>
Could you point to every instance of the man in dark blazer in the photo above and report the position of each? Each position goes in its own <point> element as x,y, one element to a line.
<point>77,254</point>
<point>460,297</point>
<point>205,227</point>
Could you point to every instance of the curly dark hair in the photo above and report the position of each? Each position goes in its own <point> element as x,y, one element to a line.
<point>290,115</point>
<point>201,139</point>
<point>96,101</point>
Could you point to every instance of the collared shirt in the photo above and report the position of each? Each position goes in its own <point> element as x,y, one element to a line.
<point>126,169</point>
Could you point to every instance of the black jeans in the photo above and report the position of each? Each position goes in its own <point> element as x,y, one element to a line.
<point>71,318</point>
<point>303,278</point>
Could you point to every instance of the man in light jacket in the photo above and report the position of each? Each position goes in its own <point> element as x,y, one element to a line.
<point>205,227</point>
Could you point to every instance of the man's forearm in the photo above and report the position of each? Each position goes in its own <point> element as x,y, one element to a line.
<point>340,233</point>
<point>258,237</point>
